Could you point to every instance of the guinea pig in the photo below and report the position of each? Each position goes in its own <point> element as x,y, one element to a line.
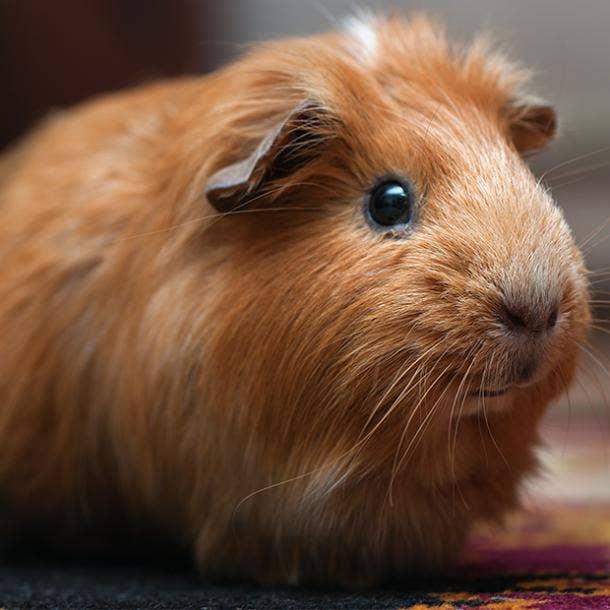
<point>302,316</point>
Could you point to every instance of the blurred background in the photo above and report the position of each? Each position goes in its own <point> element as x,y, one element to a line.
<point>53,54</point>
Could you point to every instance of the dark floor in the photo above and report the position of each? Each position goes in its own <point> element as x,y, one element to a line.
<point>34,584</point>
<point>40,585</point>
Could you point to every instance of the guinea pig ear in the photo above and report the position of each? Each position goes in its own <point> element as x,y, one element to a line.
<point>532,125</point>
<point>289,145</point>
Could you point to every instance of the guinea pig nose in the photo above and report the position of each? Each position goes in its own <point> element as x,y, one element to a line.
<point>519,318</point>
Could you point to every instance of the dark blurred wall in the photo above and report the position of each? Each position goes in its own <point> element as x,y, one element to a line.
<point>58,52</point>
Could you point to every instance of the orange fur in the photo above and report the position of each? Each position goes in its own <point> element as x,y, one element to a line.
<point>282,388</point>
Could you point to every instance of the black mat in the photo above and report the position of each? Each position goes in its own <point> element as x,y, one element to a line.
<point>93,585</point>
<point>64,585</point>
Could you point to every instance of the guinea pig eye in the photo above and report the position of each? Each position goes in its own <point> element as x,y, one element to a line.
<point>390,204</point>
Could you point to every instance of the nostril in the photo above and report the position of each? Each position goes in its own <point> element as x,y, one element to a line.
<point>552,319</point>
<point>512,317</point>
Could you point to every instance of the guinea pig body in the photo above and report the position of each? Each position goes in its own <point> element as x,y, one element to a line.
<point>302,315</point>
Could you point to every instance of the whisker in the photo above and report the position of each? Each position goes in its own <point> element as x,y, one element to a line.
<point>396,465</point>
<point>463,388</point>
<point>587,169</point>
<point>598,270</point>
<point>595,359</point>
<point>572,161</point>
<point>397,380</point>
<point>418,434</point>
<point>455,402</point>
<point>593,234</point>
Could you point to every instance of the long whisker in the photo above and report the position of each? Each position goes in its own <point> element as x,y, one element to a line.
<point>419,432</point>
<point>594,358</point>
<point>424,425</point>
<point>396,381</point>
<point>493,439</point>
<point>457,398</point>
<point>572,161</point>
<point>587,169</point>
<point>422,397</point>
<point>396,465</point>
<point>594,233</point>
<point>458,419</point>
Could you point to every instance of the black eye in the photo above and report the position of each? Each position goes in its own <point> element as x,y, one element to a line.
<point>390,204</point>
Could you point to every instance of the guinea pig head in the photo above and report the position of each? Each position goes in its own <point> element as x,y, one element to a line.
<point>397,259</point>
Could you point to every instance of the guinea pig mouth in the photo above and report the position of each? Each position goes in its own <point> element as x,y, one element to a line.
<point>483,393</point>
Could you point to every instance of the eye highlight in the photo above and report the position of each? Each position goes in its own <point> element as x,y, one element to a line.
<point>390,204</point>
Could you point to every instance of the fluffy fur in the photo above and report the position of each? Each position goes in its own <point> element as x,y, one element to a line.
<point>289,392</point>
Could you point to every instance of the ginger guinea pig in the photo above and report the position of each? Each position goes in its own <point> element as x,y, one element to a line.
<point>302,315</point>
